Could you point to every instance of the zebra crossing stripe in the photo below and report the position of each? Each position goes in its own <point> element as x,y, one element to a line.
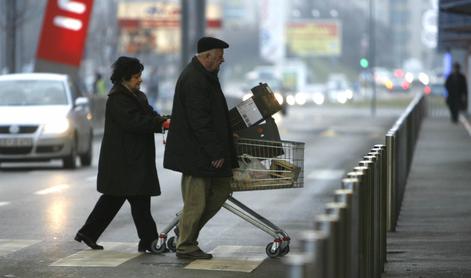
<point>232,258</point>
<point>115,253</point>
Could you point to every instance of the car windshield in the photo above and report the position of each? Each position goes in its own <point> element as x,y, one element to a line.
<point>32,92</point>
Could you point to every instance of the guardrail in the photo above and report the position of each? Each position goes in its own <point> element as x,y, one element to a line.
<point>349,238</point>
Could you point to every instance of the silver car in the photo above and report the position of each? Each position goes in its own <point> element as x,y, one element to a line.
<point>42,117</point>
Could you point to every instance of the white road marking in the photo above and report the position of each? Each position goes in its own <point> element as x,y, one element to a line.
<point>115,253</point>
<point>8,246</point>
<point>4,203</point>
<point>466,124</point>
<point>53,189</point>
<point>232,258</point>
<point>326,174</point>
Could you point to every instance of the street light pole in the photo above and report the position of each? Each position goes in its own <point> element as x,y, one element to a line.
<point>11,35</point>
<point>371,55</point>
<point>193,23</point>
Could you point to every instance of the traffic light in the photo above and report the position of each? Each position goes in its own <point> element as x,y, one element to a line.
<point>364,63</point>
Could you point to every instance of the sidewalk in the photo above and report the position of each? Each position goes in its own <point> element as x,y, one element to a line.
<point>433,235</point>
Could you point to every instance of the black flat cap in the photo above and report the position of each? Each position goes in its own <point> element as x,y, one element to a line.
<point>208,43</point>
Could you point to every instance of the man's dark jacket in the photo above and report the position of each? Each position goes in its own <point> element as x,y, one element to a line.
<point>457,90</point>
<point>200,130</point>
<point>127,157</point>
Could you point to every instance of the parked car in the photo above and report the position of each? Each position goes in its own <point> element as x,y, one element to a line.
<point>44,116</point>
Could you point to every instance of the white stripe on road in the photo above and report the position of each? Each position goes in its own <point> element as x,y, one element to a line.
<point>232,258</point>
<point>115,253</point>
<point>4,204</point>
<point>326,174</point>
<point>466,124</point>
<point>54,189</point>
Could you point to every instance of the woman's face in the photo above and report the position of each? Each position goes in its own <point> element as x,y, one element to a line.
<point>135,82</point>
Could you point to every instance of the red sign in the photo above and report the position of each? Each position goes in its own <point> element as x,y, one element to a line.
<point>64,31</point>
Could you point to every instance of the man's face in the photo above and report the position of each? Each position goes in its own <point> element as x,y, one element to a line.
<point>216,59</point>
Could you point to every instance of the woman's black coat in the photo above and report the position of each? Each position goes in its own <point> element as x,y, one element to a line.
<point>127,157</point>
<point>200,130</point>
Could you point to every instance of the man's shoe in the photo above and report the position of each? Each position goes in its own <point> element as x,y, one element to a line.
<point>198,254</point>
<point>92,244</point>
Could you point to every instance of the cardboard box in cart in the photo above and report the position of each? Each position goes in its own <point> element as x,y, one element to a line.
<point>256,109</point>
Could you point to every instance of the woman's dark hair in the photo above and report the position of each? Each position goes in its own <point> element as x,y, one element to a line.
<point>124,67</point>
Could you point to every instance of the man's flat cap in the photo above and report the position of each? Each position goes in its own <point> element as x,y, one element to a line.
<point>208,43</point>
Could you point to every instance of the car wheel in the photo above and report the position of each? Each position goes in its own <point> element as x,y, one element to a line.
<point>86,158</point>
<point>70,161</point>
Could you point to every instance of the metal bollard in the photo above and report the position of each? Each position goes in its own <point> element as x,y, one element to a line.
<point>352,184</point>
<point>360,212</point>
<point>313,244</point>
<point>369,184</point>
<point>326,223</point>
<point>391,180</point>
<point>346,196</point>
<point>297,265</point>
<point>339,210</point>
<point>381,149</point>
<point>365,220</point>
<point>374,156</point>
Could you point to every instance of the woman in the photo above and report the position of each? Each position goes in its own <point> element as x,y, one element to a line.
<point>126,167</point>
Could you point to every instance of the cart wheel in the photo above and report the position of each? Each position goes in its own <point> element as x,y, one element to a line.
<point>172,244</point>
<point>157,249</point>
<point>284,251</point>
<point>270,252</point>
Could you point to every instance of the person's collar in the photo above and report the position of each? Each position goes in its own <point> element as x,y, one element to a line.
<point>125,86</point>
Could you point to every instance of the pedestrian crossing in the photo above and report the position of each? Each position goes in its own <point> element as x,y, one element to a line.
<point>226,257</point>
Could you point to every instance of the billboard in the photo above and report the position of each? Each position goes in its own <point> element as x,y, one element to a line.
<point>154,27</point>
<point>309,38</point>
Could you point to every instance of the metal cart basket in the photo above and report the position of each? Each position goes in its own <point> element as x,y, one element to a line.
<point>263,165</point>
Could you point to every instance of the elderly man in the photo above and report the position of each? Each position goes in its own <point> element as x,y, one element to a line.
<point>200,144</point>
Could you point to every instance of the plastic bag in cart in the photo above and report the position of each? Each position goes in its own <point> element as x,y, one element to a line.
<point>250,168</point>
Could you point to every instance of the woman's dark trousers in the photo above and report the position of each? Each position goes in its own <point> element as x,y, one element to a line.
<point>108,206</point>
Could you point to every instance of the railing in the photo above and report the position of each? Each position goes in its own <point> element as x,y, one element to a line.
<point>349,239</point>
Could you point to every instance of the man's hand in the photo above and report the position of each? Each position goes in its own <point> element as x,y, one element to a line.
<point>217,163</point>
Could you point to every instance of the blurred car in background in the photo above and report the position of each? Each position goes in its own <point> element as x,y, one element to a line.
<point>311,94</point>
<point>396,84</point>
<point>44,116</point>
<point>436,87</point>
<point>338,89</point>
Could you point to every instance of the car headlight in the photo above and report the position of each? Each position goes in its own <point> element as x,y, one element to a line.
<point>290,100</point>
<point>57,126</point>
<point>300,98</point>
<point>318,98</point>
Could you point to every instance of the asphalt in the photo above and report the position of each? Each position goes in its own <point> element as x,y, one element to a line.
<point>433,234</point>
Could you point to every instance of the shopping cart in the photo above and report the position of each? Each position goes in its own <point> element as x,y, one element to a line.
<point>264,165</point>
